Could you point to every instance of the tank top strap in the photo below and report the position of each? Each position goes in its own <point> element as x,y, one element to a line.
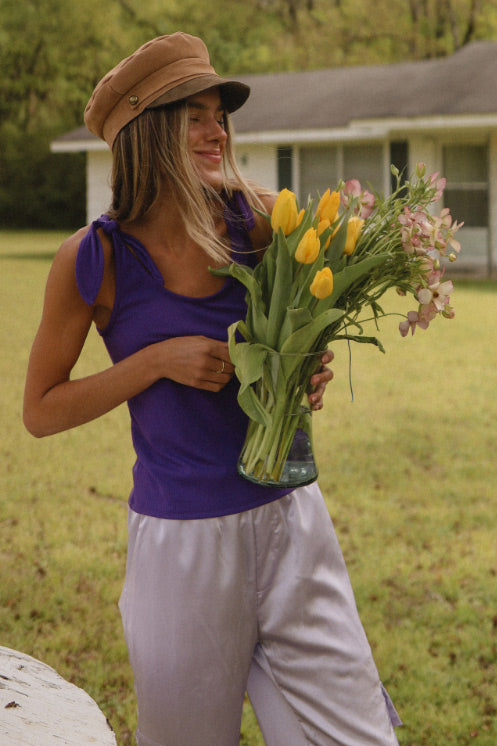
<point>90,258</point>
<point>244,209</point>
<point>239,221</point>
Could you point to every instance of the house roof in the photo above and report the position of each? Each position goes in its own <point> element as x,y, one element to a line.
<point>463,84</point>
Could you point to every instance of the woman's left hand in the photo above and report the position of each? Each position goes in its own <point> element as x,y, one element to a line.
<point>319,381</point>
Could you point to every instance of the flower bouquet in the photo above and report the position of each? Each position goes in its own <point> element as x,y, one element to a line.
<point>324,267</point>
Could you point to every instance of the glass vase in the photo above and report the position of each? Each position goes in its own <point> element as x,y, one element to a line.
<point>287,460</point>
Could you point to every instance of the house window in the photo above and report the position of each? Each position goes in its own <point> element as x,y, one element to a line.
<point>466,195</point>
<point>321,167</point>
<point>365,163</point>
<point>285,168</point>
<point>399,157</point>
<point>318,170</point>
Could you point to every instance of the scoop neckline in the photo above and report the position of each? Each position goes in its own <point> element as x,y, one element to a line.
<point>158,276</point>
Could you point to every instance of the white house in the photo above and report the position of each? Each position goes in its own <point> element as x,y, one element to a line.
<point>307,130</point>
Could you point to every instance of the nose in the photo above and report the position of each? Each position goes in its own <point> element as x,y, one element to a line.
<point>215,131</point>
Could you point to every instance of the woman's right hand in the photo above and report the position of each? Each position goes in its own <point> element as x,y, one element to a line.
<point>196,361</point>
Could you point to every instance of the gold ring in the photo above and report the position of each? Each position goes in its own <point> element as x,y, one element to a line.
<point>222,367</point>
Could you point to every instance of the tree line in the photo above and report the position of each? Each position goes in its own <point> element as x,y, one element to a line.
<point>53,52</point>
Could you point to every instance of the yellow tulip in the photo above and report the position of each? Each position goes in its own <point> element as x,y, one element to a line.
<point>328,206</point>
<point>322,284</point>
<point>284,214</point>
<point>354,227</point>
<point>308,249</point>
<point>322,226</point>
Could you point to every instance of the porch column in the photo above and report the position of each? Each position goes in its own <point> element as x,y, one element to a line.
<point>492,201</point>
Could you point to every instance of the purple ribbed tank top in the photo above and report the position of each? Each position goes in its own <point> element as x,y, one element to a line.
<point>187,441</point>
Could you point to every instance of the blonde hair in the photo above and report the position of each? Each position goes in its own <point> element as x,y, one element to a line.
<point>152,150</point>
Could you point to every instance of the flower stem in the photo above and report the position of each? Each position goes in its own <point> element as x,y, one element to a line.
<point>266,448</point>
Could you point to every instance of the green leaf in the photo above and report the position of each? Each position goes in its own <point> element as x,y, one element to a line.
<point>241,327</point>
<point>252,406</point>
<point>249,361</point>
<point>243,274</point>
<point>294,319</point>
<point>301,341</point>
<point>337,245</point>
<point>307,275</point>
<point>266,270</point>
<point>344,279</point>
<point>361,339</point>
<point>280,298</point>
<point>256,320</point>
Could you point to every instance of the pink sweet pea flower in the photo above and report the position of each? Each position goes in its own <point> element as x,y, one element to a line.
<point>431,267</point>
<point>456,245</point>
<point>437,294</point>
<point>439,185</point>
<point>442,230</point>
<point>413,319</point>
<point>426,314</point>
<point>450,227</point>
<point>353,190</point>
<point>416,232</point>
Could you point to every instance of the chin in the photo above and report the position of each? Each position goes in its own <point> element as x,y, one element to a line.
<point>215,182</point>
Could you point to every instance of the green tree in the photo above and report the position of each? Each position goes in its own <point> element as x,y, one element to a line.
<point>53,52</point>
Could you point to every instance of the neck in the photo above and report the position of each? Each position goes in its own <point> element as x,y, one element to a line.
<point>162,224</point>
<point>164,227</point>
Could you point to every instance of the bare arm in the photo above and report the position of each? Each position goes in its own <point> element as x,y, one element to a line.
<point>53,402</point>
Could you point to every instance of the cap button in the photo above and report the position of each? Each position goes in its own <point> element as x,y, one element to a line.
<point>133,100</point>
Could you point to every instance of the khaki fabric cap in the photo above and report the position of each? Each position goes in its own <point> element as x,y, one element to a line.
<point>166,69</point>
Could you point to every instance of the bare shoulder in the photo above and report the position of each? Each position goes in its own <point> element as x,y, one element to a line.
<point>268,198</point>
<point>65,258</point>
<point>68,250</point>
<point>61,289</point>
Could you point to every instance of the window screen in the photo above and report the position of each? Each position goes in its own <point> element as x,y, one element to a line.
<point>466,195</point>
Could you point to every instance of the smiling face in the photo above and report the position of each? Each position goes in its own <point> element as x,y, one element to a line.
<point>207,136</point>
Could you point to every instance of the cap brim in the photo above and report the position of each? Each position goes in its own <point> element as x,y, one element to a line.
<point>233,93</point>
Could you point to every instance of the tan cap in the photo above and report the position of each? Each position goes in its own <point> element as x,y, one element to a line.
<point>166,69</point>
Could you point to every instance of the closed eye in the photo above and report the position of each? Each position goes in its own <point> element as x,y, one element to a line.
<point>196,109</point>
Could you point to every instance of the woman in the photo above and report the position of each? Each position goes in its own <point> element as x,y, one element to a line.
<point>229,585</point>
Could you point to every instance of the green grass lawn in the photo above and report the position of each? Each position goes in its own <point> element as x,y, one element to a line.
<point>408,469</point>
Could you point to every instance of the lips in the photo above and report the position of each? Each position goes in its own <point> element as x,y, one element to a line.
<point>214,156</point>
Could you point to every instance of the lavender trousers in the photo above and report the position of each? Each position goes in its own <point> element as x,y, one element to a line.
<point>258,601</point>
